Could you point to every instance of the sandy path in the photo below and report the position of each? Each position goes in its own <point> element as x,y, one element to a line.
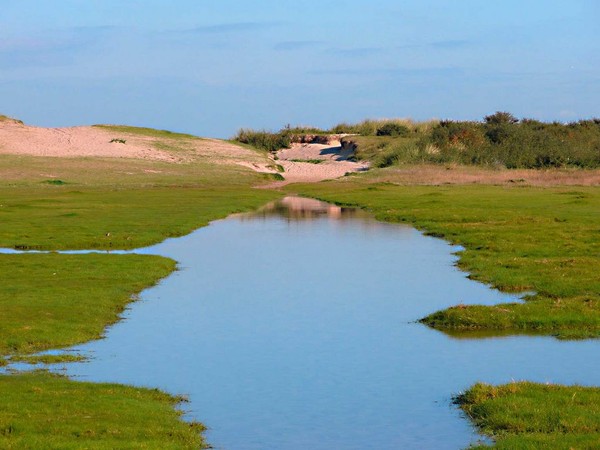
<point>335,162</point>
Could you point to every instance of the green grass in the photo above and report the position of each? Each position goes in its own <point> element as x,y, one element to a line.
<point>150,132</point>
<point>41,410</point>
<point>385,151</point>
<point>51,300</point>
<point>116,173</point>
<point>67,217</point>
<point>545,240</point>
<point>533,416</point>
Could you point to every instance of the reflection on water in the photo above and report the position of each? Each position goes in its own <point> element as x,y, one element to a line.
<point>299,208</point>
<point>296,334</point>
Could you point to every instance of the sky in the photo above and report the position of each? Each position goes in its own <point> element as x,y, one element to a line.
<point>211,68</point>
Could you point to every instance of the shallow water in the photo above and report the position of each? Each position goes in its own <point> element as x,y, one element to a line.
<point>294,328</point>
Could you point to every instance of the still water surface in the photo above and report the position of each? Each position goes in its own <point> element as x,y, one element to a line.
<point>294,328</point>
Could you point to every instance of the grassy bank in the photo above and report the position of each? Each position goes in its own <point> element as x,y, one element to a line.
<point>50,300</point>
<point>543,240</point>
<point>533,416</point>
<point>40,410</point>
<point>66,217</point>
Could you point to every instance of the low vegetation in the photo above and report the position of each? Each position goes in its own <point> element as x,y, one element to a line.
<point>60,358</point>
<point>148,132</point>
<point>50,300</point>
<point>42,410</point>
<point>540,240</point>
<point>500,140</point>
<point>77,217</point>
<point>533,416</point>
<point>4,118</point>
<point>383,151</point>
<point>273,141</point>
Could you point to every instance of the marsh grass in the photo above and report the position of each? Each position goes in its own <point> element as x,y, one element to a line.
<point>47,359</point>
<point>542,240</point>
<point>67,217</point>
<point>43,410</point>
<point>50,300</point>
<point>532,416</point>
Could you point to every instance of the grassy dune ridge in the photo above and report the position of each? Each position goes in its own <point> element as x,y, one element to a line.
<point>499,140</point>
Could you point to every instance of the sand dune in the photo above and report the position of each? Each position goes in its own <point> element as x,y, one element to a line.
<point>17,138</point>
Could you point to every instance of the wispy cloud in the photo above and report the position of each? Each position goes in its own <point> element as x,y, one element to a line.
<point>296,45</point>
<point>444,44</point>
<point>356,52</point>
<point>234,27</point>
<point>393,72</point>
<point>450,43</point>
<point>49,48</point>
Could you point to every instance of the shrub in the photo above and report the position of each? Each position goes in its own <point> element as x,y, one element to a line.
<point>393,129</point>
<point>265,140</point>
<point>500,118</point>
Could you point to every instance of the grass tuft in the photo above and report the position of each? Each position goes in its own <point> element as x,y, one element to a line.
<point>531,416</point>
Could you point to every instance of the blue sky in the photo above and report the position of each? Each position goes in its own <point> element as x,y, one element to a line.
<point>210,68</point>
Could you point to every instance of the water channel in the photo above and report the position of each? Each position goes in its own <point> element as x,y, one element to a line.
<point>294,327</point>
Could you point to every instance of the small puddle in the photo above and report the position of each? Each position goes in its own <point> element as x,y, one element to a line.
<point>293,327</point>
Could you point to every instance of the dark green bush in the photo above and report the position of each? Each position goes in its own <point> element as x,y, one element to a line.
<point>393,129</point>
<point>501,139</point>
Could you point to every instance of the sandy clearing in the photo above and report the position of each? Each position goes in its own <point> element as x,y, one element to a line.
<point>335,162</point>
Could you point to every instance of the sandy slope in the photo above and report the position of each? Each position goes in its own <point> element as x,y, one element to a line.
<point>19,139</point>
